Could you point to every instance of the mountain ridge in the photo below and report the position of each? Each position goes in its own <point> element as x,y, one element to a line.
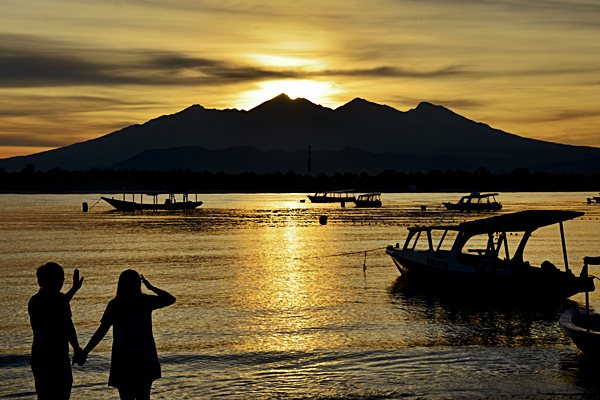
<point>426,132</point>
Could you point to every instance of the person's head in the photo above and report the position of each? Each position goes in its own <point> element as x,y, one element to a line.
<point>51,276</point>
<point>130,284</point>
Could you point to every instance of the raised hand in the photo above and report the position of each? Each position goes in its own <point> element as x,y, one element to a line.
<point>146,283</point>
<point>77,283</point>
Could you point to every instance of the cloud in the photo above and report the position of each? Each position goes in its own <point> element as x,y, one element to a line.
<point>34,63</point>
<point>395,72</point>
<point>567,115</point>
<point>24,140</point>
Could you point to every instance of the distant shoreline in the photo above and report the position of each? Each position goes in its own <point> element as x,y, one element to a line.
<point>186,181</point>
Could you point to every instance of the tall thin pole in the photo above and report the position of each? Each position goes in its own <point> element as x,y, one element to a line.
<point>564,245</point>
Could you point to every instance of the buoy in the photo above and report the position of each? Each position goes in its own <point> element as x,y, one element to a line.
<point>85,206</point>
<point>323,219</point>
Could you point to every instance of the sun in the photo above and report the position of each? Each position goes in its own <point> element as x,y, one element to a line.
<point>316,91</point>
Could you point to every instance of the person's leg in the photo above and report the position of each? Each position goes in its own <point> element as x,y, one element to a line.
<point>126,393</point>
<point>52,382</point>
<point>42,384</point>
<point>143,391</point>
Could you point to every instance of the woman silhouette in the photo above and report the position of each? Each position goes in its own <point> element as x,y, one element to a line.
<point>134,361</point>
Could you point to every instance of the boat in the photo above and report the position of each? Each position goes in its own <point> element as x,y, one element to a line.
<point>475,202</point>
<point>486,258</point>
<point>338,196</point>
<point>583,328</point>
<point>170,203</point>
<point>593,199</point>
<point>368,200</point>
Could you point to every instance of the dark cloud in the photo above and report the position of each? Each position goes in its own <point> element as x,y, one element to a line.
<point>396,72</point>
<point>566,115</point>
<point>23,140</point>
<point>29,63</point>
<point>50,106</point>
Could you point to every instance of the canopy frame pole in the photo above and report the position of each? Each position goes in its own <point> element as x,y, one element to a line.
<point>564,246</point>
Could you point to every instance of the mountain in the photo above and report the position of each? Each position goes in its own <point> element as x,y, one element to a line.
<point>276,134</point>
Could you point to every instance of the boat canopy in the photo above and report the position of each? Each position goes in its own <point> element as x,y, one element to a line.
<point>480,195</point>
<point>521,221</point>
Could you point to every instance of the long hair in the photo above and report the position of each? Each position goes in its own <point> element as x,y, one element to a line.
<point>129,286</point>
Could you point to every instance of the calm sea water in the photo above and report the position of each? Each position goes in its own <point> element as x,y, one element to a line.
<point>273,305</point>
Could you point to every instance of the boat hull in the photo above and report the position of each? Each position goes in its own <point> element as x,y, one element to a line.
<point>122,205</point>
<point>533,282</point>
<point>328,199</point>
<point>367,203</point>
<point>575,325</point>
<point>474,207</point>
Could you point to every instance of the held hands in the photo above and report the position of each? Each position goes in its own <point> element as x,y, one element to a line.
<point>79,356</point>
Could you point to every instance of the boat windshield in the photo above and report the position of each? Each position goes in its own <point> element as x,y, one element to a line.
<point>440,240</point>
<point>497,245</point>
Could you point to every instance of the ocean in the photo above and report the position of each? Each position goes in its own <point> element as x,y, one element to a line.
<point>271,304</point>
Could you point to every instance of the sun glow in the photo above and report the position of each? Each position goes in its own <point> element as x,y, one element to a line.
<point>316,91</point>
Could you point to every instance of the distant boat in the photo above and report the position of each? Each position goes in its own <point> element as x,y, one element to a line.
<point>368,200</point>
<point>475,202</point>
<point>170,204</point>
<point>593,199</point>
<point>583,328</point>
<point>338,196</point>
<point>479,261</point>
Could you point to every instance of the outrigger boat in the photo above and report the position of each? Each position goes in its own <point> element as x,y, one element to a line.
<point>479,261</point>
<point>338,196</point>
<point>475,202</point>
<point>170,203</point>
<point>583,328</point>
<point>368,200</point>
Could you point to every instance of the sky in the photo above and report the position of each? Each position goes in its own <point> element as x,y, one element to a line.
<point>74,70</point>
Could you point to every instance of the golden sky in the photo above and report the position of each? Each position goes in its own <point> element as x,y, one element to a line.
<point>73,70</point>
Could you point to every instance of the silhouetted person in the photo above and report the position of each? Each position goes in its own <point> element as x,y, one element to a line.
<point>134,361</point>
<point>53,330</point>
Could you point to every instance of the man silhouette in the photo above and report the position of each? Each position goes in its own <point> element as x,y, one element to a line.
<point>53,330</point>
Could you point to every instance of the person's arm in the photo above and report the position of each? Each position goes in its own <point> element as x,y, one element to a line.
<point>102,330</point>
<point>165,298</point>
<point>77,283</point>
<point>72,335</point>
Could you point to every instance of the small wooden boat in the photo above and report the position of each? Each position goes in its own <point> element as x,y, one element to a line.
<point>583,328</point>
<point>368,200</point>
<point>170,204</point>
<point>338,196</point>
<point>485,258</point>
<point>475,202</point>
<point>593,200</point>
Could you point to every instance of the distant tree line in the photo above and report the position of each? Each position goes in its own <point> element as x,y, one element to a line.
<point>30,180</point>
